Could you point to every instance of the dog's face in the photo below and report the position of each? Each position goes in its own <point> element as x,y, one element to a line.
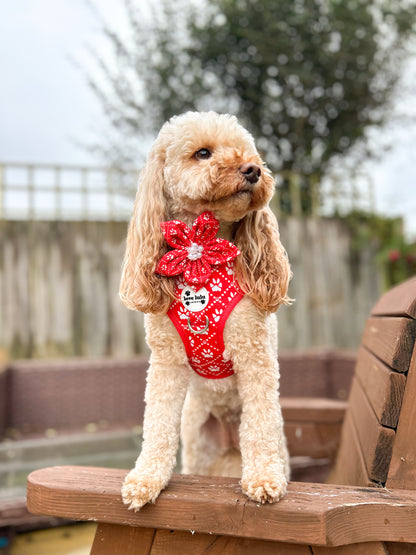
<point>211,163</point>
<point>204,162</point>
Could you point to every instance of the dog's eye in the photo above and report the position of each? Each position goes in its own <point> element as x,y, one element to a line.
<point>203,154</point>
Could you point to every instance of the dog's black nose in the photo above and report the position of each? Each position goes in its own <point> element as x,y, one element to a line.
<point>251,172</point>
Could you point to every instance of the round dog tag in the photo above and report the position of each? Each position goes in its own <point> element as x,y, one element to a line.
<point>194,301</point>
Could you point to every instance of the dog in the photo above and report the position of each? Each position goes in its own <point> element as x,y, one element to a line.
<point>204,176</point>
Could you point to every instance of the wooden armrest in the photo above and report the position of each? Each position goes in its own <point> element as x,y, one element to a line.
<point>313,409</point>
<point>317,514</point>
<point>313,425</point>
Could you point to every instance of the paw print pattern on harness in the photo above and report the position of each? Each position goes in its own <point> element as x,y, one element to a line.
<point>205,347</point>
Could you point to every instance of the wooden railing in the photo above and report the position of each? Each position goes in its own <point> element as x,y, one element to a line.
<point>66,192</point>
<point>73,192</point>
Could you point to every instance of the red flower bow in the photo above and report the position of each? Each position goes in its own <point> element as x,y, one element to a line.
<point>195,250</point>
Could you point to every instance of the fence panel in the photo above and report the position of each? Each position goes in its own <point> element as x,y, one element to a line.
<point>59,288</point>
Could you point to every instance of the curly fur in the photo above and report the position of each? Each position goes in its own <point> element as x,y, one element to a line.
<point>176,184</point>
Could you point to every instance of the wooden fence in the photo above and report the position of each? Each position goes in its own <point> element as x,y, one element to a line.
<point>59,284</point>
<point>70,192</point>
<point>66,192</point>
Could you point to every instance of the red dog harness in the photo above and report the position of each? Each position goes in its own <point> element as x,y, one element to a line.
<point>200,316</point>
<point>205,294</point>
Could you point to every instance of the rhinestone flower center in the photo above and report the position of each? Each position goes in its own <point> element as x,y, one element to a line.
<point>195,251</point>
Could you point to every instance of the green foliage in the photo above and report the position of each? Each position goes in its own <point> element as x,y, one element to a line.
<point>397,257</point>
<point>367,228</point>
<point>301,70</point>
<point>306,76</point>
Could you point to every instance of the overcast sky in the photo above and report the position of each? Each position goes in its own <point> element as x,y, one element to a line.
<point>46,106</point>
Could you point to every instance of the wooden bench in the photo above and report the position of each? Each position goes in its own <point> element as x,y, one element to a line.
<point>369,508</point>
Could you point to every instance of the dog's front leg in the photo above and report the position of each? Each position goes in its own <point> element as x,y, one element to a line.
<point>167,381</point>
<point>262,441</point>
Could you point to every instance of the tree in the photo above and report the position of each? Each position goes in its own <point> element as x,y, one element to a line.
<point>307,77</point>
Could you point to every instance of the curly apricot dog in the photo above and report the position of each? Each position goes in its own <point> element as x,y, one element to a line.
<point>209,302</point>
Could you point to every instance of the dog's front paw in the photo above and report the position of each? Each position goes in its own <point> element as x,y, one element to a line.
<point>139,489</point>
<point>265,488</point>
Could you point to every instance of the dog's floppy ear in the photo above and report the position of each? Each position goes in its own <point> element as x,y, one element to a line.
<point>140,288</point>
<point>263,268</point>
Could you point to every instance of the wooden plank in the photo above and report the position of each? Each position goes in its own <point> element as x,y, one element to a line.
<point>310,409</point>
<point>391,340</point>
<point>399,301</point>
<point>313,426</point>
<point>317,514</point>
<point>312,439</point>
<point>350,468</point>
<point>368,548</point>
<point>113,539</point>
<point>376,441</point>
<point>177,542</point>
<point>402,471</point>
<point>384,387</point>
